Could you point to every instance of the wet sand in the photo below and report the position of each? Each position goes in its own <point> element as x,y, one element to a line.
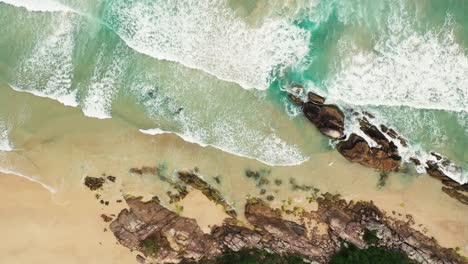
<point>60,147</point>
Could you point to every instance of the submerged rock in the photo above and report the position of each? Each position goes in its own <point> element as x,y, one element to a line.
<point>94,183</point>
<point>191,178</point>
<point>456,194</point>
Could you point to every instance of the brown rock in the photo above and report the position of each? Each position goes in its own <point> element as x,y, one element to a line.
<point>165,237</point>
<point>356,149</point>
<point>315,98</point>
<point>456,194</point>
<point>106,218</point>
<point>327,118</point>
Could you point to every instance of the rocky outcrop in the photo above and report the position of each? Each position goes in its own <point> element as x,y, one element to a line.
<point>193,179</point>
<point>165,237</point>
<point>315,98</point>
<point>161,234</point>
<point>327,118</point>
<point>356,149</point>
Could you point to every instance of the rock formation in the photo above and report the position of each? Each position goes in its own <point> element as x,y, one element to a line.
<point>329,120</point>
<point>356,149</point>
<point>163,236</point>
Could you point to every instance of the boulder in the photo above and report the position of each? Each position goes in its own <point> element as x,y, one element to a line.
<point>315,98</point>
<point>327,118</point>
<point>356,149</point>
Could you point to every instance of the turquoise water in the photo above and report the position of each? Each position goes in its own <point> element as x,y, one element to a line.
<point>214,72</point>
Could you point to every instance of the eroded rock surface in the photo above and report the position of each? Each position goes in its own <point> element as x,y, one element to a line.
<point>165,237</point>
<point>356,149</point>
<point>329,119</point>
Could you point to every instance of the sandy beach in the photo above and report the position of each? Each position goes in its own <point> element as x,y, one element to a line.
<point>39,229</point>
<point>67,226</point>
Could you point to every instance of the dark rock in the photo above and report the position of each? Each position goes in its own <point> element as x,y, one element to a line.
<point>327,118</point>
<point>270,198</point>
<point>374,133</point>
<point>145,170</point>
<point>217,179</point>
<point>392,133</point>
<point>252,174</point>
<point>437,156</point>
<point>111,178</point>
<point>403,141</point>
<point>278,182</point>
<point>456,194</point>
<point>315,98</point>
<point>94,183</point>
<point>106,218</point>
<point>262,191</point>
<point>356,149</point>
<point>416,161</point>
<point>263,181</point>
<point>192,179</point>
<point>368,114</point>
<point>384,128</point>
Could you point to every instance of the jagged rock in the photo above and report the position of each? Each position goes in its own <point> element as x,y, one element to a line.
<point>456,194</point>
<point>165,237</point>
<point>374,133</point>
<point>191,178</point>
<point>327,118</point>
<point>392,133</point>
<point>315,98</point>
<point>356,149</point>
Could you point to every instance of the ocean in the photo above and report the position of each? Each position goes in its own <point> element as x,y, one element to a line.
<point>215,73</point>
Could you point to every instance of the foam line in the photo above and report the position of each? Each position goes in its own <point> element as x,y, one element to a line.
<point>29,178</point>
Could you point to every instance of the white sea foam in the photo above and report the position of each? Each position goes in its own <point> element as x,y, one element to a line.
<point>39,5</point>
<point>30,178</point>
<point>103,84</point>
<point>275,151</point>
<point>206,35</point>
<point>48,70</point>
<point>5,144</point>
<point>412,150</point>
<point>428,71</point>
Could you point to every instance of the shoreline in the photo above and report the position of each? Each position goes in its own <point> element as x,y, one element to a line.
<point>78,146</point>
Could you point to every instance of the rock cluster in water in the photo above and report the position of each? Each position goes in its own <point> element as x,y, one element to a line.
<point>329,120</point>
<point>162,236</point>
